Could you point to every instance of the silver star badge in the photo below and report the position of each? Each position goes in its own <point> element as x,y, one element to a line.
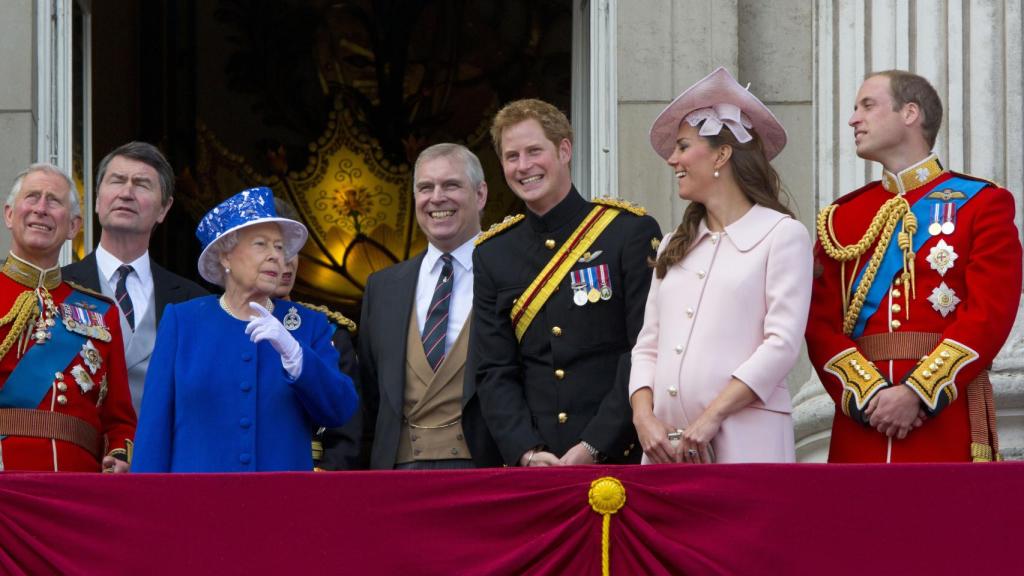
<point>82,379</point>
<point>922,174</point>
<point>943,299</point>
<point>941,257</point>
<point>91,356</point>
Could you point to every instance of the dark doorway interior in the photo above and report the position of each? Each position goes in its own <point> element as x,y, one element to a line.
<point>284,93</point>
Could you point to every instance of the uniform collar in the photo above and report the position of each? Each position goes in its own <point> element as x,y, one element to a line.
<point>563,213</point>
<point>749,230</point>
<point>913,177</point>
<point>30,275</point>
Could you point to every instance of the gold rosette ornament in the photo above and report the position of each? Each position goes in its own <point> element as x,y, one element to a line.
<point>606,496</point>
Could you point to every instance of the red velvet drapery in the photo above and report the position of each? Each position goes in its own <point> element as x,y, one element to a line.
<point>722,519</point>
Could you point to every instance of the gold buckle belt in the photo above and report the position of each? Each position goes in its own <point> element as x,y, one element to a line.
<point>41,424</point>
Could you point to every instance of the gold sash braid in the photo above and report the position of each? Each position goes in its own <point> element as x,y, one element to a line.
<point>537,293</point>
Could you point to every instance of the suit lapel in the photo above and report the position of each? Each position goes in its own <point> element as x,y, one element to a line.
<point>164,287</point>
<point>399,304</point>
<point>85,272</point>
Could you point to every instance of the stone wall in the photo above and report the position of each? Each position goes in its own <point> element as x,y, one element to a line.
<point>17,96</point>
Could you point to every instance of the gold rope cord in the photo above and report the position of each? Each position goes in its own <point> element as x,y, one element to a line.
<point>881,228</point>
<point>24,309</point>
<point>606,496</point>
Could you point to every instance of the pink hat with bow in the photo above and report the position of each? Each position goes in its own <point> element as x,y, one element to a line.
<point>718,101</point>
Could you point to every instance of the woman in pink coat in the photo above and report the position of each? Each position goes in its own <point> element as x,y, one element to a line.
<point>728,303</point>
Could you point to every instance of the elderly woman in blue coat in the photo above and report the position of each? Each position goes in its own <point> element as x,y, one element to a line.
<point>236,382</point>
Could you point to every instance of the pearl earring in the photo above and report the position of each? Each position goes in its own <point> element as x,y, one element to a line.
<point>227,270</point>
<point>716,173</point>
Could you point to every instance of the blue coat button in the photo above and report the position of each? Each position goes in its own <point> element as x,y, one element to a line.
<point>244,423</point>
<point>245,458</point>
<point>245,386</point>
<point>246,357</point>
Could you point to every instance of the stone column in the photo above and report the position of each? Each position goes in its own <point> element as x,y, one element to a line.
<point>17,96</point>
<point>664,46</point>
<point>971,51</point>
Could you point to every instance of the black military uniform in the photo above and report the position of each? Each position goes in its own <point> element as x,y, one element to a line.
<point>342,448</point>
<point>566,381</point>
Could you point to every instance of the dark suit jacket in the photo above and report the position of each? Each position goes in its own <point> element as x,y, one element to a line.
<point>168,287</point>
<point>388,303</point>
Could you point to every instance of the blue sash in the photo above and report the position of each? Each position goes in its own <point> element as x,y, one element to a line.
<point>892,261</point>
<point>33,376</point>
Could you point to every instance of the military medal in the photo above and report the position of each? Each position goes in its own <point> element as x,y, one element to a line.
<point>604,281</point>
<point>82,321</point>
<point>593,295</point>
<point>91,356</point>
<point>103,391</point>
<point>935,228</point>
<point>949,215</point>
<point>292,320</point>
<point>941,257</point>
<point>943,299</point>
<point>82,378</point>
<point>579,288</point>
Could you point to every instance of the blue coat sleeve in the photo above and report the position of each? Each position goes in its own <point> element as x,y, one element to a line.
<point>328,396</point>
<point>154,437</point>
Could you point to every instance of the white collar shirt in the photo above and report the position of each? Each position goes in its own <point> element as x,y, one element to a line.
<point>462,289</point>
<point>139,283</point>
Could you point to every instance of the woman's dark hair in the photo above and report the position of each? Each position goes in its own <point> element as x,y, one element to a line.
<point>755,176</point>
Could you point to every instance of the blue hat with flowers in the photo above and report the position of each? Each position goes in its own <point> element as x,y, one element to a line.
<point>247,208</point>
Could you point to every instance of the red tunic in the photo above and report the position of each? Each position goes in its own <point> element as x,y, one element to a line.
<point>113,417</point>
<point>985,276</point>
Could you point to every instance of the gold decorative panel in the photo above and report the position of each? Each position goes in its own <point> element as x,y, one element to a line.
<point>356,204</point>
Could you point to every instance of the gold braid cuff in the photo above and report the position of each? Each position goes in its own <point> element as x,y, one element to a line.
<point>860,380</point>
<point>882,227</point>
<point>934,376</point>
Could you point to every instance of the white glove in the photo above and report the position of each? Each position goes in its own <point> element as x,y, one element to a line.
<point>263,326</point>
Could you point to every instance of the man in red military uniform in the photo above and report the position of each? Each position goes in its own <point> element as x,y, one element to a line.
<point>917,281</point>
<point>64,398</point>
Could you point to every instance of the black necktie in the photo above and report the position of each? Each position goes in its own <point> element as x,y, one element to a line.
<point>436,327</point>
<point>124,301</point>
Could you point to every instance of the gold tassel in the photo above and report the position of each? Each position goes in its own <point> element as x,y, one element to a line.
<point>606,496</point>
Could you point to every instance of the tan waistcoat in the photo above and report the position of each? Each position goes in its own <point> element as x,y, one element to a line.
<point>432,407</point>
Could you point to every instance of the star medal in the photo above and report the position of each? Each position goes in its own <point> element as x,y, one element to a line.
<point>943,299</point>
<point>82,379</point>
<point>604,280</point>
<point>941,257</point>
<point>91,356</point>
<point>579,288</point>
<point>935,228</point>
<point>292,320</point>
<point>593,295</point>
<point>949,218</point>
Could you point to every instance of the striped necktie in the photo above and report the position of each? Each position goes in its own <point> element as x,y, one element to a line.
<point>124,301</point>
<point>436,327</point>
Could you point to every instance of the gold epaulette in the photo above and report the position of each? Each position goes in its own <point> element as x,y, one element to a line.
<point>91,292</point>
<point>498,228</point>
<point>336,317</point>
<point>622,205</point>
